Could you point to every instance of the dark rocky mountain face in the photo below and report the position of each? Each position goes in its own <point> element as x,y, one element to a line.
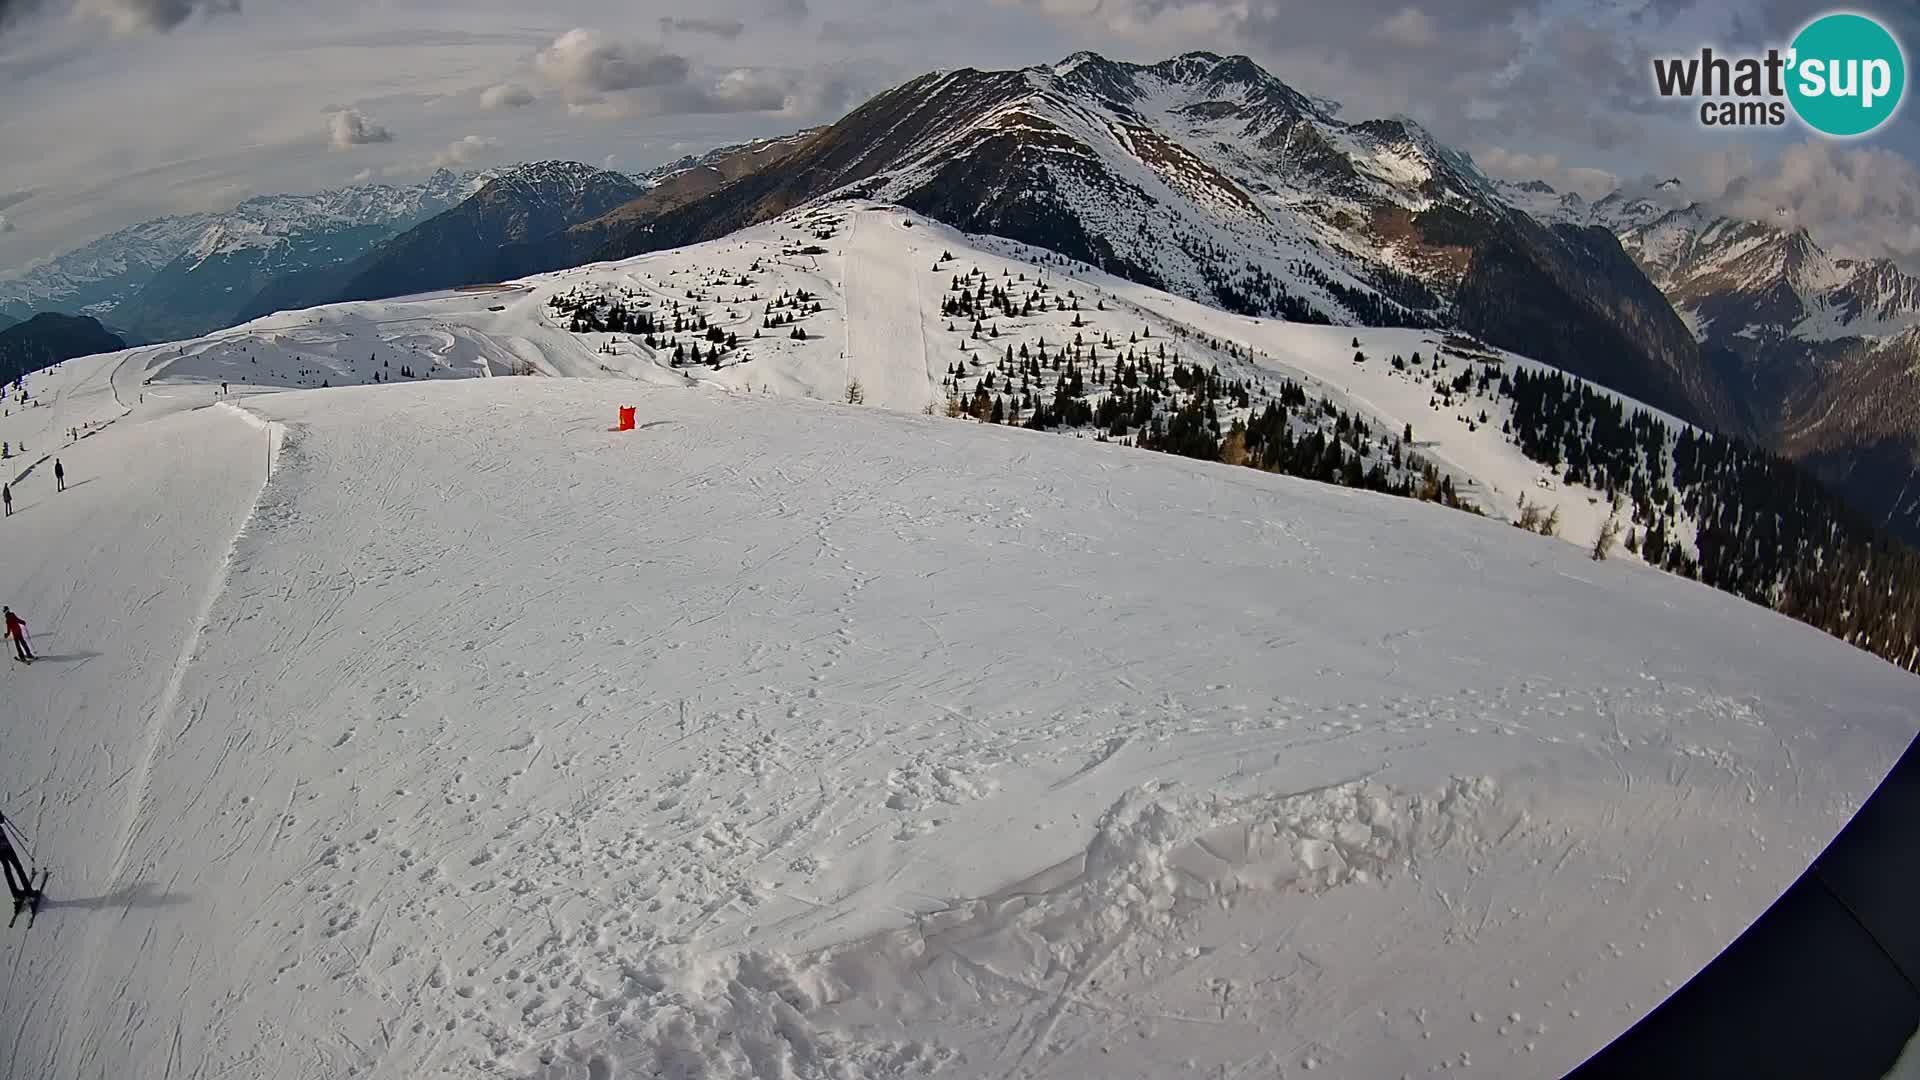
<point>1206,176</point>
<point>529,220</point>
<point>477,241</point>
<point>672,186</point>
<point>193,296</point>
<point>48,338</point>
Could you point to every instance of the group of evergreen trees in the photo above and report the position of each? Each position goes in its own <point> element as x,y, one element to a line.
<point>684,334</point>
<point>1710,508</point>
<point>1720,511</point>
<point>1145,394</point>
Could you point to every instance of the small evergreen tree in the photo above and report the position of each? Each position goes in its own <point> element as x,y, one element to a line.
<point>1609,533</point>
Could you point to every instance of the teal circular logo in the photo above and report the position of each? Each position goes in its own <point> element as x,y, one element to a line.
<point>1846,75</point>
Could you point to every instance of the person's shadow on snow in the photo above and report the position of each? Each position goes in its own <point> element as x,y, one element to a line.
<point>66,658</point>
<point>142,894</point>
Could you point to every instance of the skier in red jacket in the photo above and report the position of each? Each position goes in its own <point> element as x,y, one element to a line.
<point>17,630</point>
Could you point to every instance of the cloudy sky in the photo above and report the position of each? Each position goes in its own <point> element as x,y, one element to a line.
<point>120,110</point>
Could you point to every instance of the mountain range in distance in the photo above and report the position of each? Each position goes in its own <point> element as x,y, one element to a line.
<point>1203,175</point>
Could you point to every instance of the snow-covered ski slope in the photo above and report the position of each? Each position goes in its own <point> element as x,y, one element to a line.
<point>879,263</point>
<point>786,738</point>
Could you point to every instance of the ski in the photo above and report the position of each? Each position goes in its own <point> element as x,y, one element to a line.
<point>32,903</point>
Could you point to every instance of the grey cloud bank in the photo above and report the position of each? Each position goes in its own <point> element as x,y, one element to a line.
<point>141,106</point>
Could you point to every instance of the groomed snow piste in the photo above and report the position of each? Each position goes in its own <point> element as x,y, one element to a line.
<point>790,738</point>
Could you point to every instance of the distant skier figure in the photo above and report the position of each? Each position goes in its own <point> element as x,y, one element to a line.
<point>59,476</point>
<point>6,496</point>
<point>17,630</point>
<point>19,882</point>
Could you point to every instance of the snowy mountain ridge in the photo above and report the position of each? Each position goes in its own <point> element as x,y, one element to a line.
<point>690,162</point>
<point>96,278</point>
<point>551,179</point>
<point>269,220</point>
<point>1207,176</point>
<point>272,237</point>
<point>93,278</point>
<point>1824,350</point>
<point>1692,250</point>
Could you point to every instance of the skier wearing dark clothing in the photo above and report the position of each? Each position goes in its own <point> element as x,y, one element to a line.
<point>59,476</point>
<point>17,630</point>
<point>19,882</point>
<point>6,496</point>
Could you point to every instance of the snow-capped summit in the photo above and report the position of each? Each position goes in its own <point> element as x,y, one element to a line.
<point>1544,202</point>
<point>268,220</point>
<point>564,180</point>
<point>1210,176</point>
<point>478,240</point>
<point>1757,281</point>
<point>1823,348</point>
<point>1067,66</point>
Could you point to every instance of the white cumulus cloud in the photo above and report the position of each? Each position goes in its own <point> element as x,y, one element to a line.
<point>348,128</point>
<point>1588,183</point>
<point>505,96</point>
<point>1859,201</point>
<point>587,62</point>
<point>466,150</point>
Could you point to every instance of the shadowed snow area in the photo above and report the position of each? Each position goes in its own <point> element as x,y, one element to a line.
<point>780,738</point>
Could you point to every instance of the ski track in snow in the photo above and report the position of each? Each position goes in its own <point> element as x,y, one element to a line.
<point>886,347</point>
<point>785,738</point>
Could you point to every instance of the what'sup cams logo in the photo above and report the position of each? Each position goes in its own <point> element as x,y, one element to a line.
<point>1844,75</point>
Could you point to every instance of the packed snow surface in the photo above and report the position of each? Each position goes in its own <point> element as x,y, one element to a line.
<point>788,738</point>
